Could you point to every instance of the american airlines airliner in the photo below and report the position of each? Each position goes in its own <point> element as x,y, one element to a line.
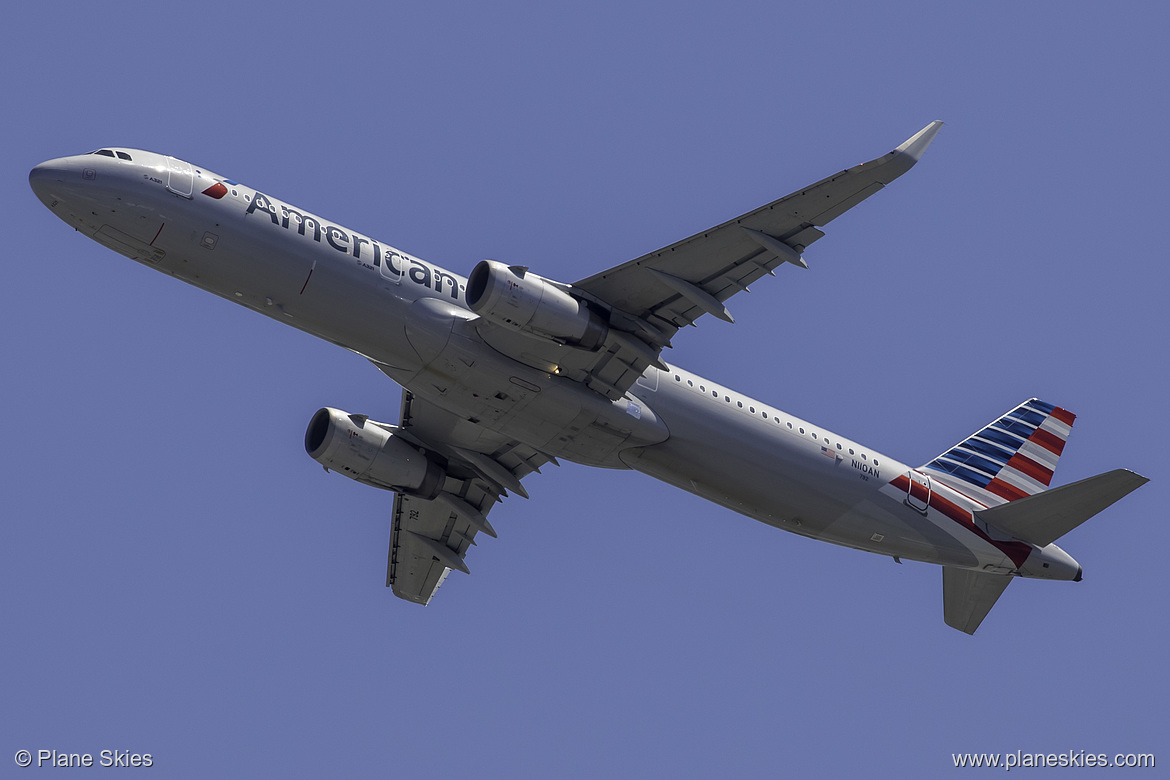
<point>505,371</point>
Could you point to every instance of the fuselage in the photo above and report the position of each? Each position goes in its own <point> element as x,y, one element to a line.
<point>411,319</point>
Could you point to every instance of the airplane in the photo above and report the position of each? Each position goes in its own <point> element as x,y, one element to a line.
<point>505,371</point>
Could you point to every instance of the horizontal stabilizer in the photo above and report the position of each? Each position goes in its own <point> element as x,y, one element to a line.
<point>969,595</point>
<point>1045,517</point>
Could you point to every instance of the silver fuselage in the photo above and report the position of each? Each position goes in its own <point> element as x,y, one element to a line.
<point>409,317</point>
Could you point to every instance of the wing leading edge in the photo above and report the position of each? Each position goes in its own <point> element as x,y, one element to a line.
<point>645,301</point>
<point>674,286</point>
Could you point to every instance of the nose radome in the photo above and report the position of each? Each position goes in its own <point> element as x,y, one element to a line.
<point>58,171</point>
<point>40,174</point>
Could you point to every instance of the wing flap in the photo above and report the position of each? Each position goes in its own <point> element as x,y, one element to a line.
<point>414,572</point>
<point>430,537</point>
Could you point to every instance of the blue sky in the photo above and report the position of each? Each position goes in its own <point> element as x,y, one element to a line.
<point>180,579</point>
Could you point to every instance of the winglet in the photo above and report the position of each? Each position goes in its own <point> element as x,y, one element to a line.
<point>916,144</point>
<point>903,158</point>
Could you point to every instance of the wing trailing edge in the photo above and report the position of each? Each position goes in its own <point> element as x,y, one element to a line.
<point>672,287</point>
<point>430,537</point>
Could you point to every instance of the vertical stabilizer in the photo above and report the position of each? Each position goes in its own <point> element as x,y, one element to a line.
<point>969,595</point>
<point>1012,457</point>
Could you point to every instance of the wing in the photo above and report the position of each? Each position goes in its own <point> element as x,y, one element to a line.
<point>429,538</point>
<point>677,284</point>
<point>646,301</point>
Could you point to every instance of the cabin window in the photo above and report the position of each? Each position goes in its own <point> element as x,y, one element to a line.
<point>677,378</point>
<point>690,383</point>
<point>838,446</point>
<point>714,393</point>
<point>765,415</point>
<point>875,461</point>
<point>752,409</point>
<point>851,451</point>
<point>801,430</point>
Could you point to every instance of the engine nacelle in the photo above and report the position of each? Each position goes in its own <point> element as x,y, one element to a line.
<point>510,296</point>
<point>369,452</point>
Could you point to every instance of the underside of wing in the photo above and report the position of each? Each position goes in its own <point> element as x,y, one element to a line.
<point>605,332</point>
<point>431,536</point>
<point>674,286</point>
<point>619,321</point>
<point>421,554</point>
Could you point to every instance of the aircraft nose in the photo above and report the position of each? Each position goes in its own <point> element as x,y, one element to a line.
<point>50,174</point>
<point>50,169</point>
<point>40,174</point>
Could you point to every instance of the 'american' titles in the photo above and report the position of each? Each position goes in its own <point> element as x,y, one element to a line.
<point>396,263</point>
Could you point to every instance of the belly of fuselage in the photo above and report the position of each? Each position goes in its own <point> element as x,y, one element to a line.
<point>748,459</point>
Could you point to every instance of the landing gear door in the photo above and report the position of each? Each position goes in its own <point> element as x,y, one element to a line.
<point>918,493</point>
<point>180,177</point>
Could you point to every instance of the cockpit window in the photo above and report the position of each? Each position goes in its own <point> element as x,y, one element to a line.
<point>111,153</point>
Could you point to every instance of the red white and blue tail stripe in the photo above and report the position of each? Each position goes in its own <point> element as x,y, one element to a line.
<point>1012,457</point>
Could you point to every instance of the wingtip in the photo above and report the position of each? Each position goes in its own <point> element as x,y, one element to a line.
<point>916,144</point>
